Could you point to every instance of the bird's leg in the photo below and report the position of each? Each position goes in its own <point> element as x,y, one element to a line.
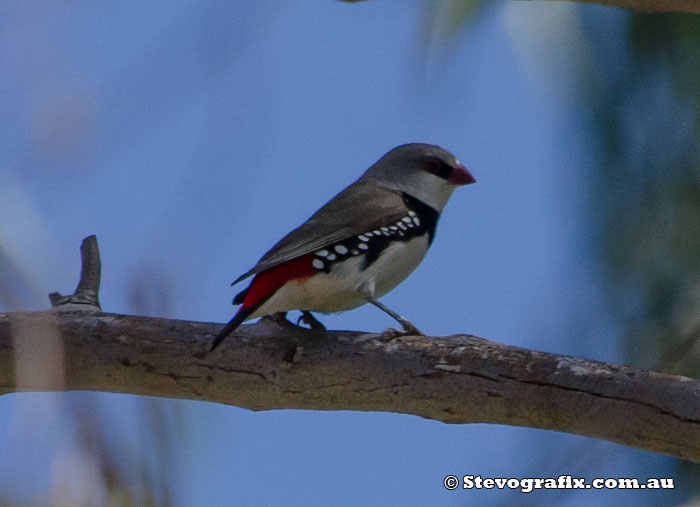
<point>407,325</point>
<point>308,318</point>
<point>367,291</point>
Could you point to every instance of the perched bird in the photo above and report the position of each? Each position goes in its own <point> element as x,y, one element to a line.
<point>358,246</point>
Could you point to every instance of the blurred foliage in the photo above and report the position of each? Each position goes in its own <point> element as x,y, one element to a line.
<point>17,289</point>
<point>444,20</point>
<point>459,13</point>
<point>638,91</point>
<point>128,475</point>
<point>105,465</point>
<point>645,105</point>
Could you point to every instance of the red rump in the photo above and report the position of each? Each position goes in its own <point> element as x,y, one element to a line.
<point>266,283</point>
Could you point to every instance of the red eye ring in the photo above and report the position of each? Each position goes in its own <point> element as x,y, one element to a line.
<point>433,166</point>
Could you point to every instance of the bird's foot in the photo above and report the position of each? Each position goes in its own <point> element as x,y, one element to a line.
<point>391,334</point>
<point>409,328</point>
<point>311,321</point>
<point>407,325</point>
<point>279,318</point>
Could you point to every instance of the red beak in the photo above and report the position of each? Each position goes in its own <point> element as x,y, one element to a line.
<point>460,176</point>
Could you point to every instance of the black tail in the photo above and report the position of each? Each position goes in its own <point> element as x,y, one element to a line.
<point>236,321</point>
<point>240,296</point>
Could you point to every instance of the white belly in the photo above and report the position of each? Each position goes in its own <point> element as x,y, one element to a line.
<point>337,291</point>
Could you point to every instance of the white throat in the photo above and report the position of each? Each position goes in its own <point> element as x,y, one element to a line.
<point>428,188</point>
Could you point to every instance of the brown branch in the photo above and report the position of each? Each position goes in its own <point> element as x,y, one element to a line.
<point>89,284</point>
<point>651,5</point>
<point>456,379</point>
<point>637,5</point>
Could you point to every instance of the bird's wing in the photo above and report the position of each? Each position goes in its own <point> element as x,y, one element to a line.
<point>361,207</point>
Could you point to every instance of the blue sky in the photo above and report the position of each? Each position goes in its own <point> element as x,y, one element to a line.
<point>190,139</point>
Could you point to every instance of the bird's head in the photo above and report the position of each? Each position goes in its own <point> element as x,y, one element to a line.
<point>424,171</point>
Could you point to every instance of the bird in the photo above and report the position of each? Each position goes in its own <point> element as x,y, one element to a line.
<point>358,246</point>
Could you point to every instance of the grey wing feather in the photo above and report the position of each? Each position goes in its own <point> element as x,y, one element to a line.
<point>361,207</point>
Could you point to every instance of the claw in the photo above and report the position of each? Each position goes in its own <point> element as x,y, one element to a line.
<point>391,334</point>
<point>410,329</point>
<point>308,319</point>
<point>279,318</point>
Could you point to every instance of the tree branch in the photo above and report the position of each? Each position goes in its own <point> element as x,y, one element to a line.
<point>456,379</point>
<point>89,284</point>
<point>637,5</point>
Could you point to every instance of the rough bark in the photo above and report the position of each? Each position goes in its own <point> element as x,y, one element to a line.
<point>455,379</point>
<point>270,365</point>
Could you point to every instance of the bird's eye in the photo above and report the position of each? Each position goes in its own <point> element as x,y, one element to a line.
<point>432,165</point>
<point>437,167</point>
